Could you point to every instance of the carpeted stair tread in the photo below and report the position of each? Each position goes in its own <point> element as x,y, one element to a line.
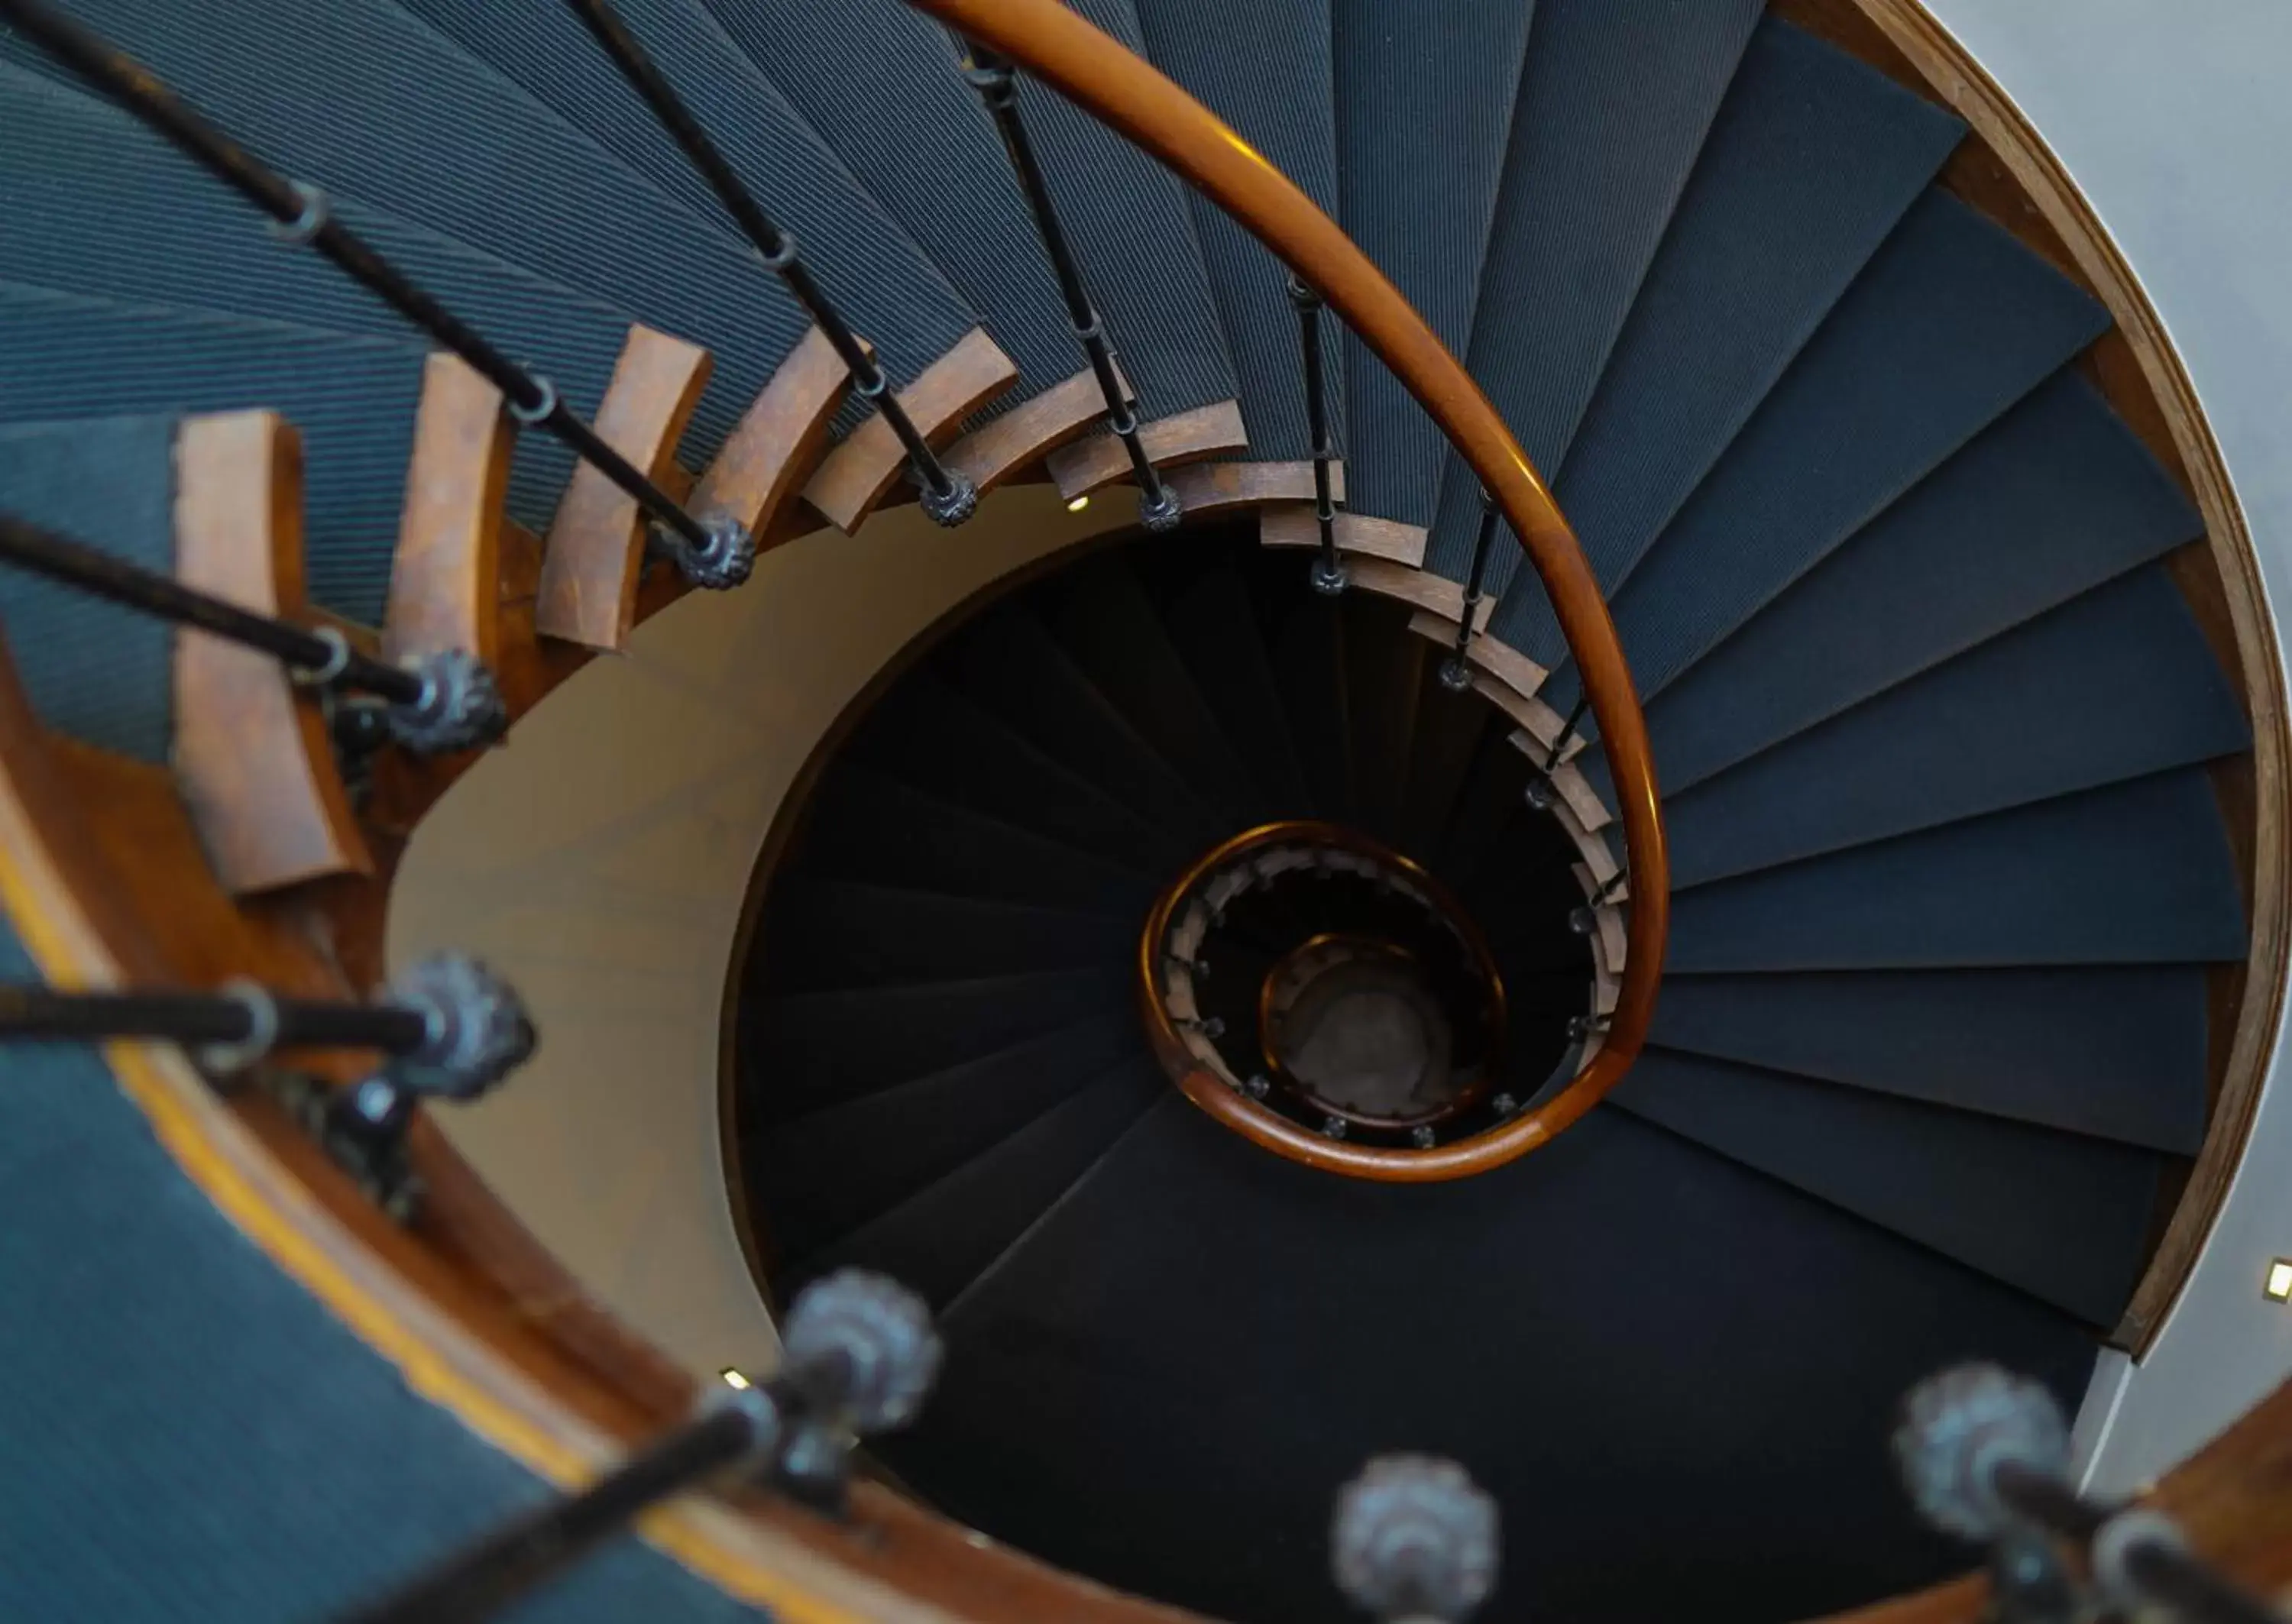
<point>2111,686</point>
<point>2059,1216</point>
<point>1304,636</point>
<point>98,673</point>
<point>827,933</point>
<point>2114,1051</point>
<point>1616,99</point>
<point>1425,101</point>
<point>1384,680</point>
<point>2138,872</point>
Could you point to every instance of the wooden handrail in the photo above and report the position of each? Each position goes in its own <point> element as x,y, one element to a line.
<point>1114,85</point>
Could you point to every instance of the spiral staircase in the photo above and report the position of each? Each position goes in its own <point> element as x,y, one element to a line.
<point>1071,945</point>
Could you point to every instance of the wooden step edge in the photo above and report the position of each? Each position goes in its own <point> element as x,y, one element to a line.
<point>1358,537</point>
<point>1580,811</point>
<point>852,479</point>
<point>1212,430</point>
<point>1023,437</point>
<point>1500,660</point>
<point>1216,487</point>
<point>1608,940</point>
<point>445,577</point>
<point>251,751</point>
<point>594,552</point>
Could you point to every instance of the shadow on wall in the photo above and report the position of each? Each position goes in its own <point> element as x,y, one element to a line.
<point>601,861</point>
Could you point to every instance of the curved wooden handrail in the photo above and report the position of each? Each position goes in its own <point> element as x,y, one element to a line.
<point>1114,85</point>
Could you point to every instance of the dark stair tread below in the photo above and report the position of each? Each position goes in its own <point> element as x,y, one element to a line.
<point>1304,637</point>
<point>2113,1051</point>
<point>819,1177</point>
<point>1423,93</point>
<point>860,825</point>
<point>944,1237</point>
<point>1580,1299</point>
<point>100,673</point>
<point>352,399</point>
<point>925,733</point>
<point>1950,323</point>
<point>1385,675</point>
<point>1616,98</point>
<point>1449,733</point>
<point>1010,665</point>
<point>124,217</point>
<point>2050,501</point>
<point>2139,873</point>
<point>822,934</point>
<point>1109,630</point>
<point>803,1052</point>
<point>2062,1216</point>
<point>882,283</point>
<point>961,207</point>
<point>1212,622</point>
<point>1811,160</point>
<point>2115,685</point>
<point>1487,804</point>
<point>1264,66</point>
<point>362,97</point>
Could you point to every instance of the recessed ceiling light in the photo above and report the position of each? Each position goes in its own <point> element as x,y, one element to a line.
<point>734,1380</point>
<point>2278,1288</point>
<point>1078,504</point>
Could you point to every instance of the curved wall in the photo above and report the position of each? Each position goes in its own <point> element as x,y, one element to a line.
<point>608,883</point>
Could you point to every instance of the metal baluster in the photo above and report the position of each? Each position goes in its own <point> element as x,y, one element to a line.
<point>1456,676</point>
<point>438,702</point>
<point>1542,793</point>
<point>1328,573</point>
<point>1413,1538</point>
<point>947,497</point>
<point>717,553</point>
<point>1985,1456</point>
<point>860,1357</point>
<point>996,80</point>
<point>1584,919</point>
<point>452,1028</point>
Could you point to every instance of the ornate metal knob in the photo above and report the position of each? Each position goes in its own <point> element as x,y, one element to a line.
<point>1959,1427</point>
<point>1415,1537</point>
<point>478,1030</point>
<point>460,707</point>
<point>862,1345</point>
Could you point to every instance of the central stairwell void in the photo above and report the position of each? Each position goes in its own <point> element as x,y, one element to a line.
<point>1603,925</point>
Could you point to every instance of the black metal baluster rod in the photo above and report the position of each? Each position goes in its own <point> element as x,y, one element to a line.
<point>860,1356</point>
<point>996,80</point>
<point>1329,574</point>
<point>1456,676</point>
<point>948,497</point>
<point>478,1582</point>
<point>444,701</point>
<point>302,218</point>
<point>456,1028</point>
<point>1541,791</point>
<point>2134,1550</point>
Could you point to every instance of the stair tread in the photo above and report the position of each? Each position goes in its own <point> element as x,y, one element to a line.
<point>2114,685</point>
<point>925,732</point>
<point>878,279</point>
<point>99,672</point>
<point>2114,1051</point>
<point>363,97</point>
<point>1384,678</point>
<point>352,399</point>
<point>820,1176</point>
<point>1615,102</point>
<point>1811,160</point>
<point>939,1240</point>
<point>863,826</point>
<point>2053,499</point>
<point>1308,1292</point>
<point>1265,67</point>
<point>1009,664</point>
<point>1418,93</point>
<point>2061,1217</point>
<point>823,933</point>
<point>2137,872</point>
<point>804,1053</point>
<point>1303,633</point>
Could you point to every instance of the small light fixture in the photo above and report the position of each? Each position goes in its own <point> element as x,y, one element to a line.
<point>1078,504</point>
<point>2278,1288</point>
<point>734,1380</point>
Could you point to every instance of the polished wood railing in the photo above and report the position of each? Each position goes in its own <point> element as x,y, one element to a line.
<point>1116,86</point>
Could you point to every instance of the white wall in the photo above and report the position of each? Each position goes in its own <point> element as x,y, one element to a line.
<point>2174,119</point>
<point>608,885</point>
